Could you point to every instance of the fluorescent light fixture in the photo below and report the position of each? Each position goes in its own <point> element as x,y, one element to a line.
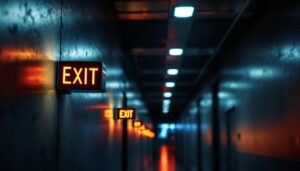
<point>206,102</point>
<point>172,71</point>
<point>163,126</point>
<point>170,84</point>
<point>130,94</point>
<point>223,95</point>
<point>184,11</point>
<point>167,94</point>
<point>172,126</point>
<point>163,133</point>
<point>166,102</point>
<point>165,108</point>
<point>165,112</point>
<point>135,102</point>
<point>175,51</point>
<point>166,105</point>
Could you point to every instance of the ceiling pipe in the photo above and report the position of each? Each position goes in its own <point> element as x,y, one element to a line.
<point>224,38</point>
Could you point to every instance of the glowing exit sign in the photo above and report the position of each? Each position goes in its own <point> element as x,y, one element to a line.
<point>81,76</point>
<point>137,124</point>
<point>126,113</point>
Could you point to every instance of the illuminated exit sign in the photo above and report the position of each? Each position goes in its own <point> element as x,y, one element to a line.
<point>126,113</point>
<point>81,76</point>
<point>137,124</point>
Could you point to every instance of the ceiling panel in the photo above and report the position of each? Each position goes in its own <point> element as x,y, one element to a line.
<point>150,33</point>
<point>148,30</point>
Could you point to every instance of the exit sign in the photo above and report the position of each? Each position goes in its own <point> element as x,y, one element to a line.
<point>137,124</point>
<point>81,76</point>
<point>126,113</point>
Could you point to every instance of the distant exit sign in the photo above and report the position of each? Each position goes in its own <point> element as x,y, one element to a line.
<point>126,113</point>
<point>137,124</point>
<point>81,76</point>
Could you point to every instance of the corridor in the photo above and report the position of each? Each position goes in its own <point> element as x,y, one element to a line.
<point>150,85</point>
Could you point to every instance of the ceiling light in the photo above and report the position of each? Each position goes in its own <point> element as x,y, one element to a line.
<point>172,126</point>
<point>167,94</point>
<point>165,112</point>
<point>184,11</point>
<point>172,71</point>
<point>170,84</point>
<point>175,51</point>
<point>165,107</point>
<point>166,102</point>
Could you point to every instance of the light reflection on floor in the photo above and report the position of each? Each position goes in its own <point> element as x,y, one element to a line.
<point>167,158</point>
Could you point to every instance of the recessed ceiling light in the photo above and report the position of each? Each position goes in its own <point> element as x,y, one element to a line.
<point>184,11</point>
<point>170,84</point>
<point>167,94</point>
<point>175,51</point>
<point>166,102</point>
<point>165,107</point>
<point>172,71</point>
<point>165,111</point>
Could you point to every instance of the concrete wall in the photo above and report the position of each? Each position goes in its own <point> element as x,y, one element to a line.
<point>257,105</point>
<point>42,128</point>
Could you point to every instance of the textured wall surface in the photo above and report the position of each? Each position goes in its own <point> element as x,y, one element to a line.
<point>259,81</point>
<point>42,128</point>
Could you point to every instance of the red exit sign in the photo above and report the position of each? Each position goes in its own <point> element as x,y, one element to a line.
<point>81,75</point>
<point>126,113</point>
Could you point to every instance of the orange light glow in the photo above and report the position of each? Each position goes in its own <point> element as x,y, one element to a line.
<point>26,70</point>
<point>100,106</point>
<point>129,126</point>
<point>137,124</point>
<point>148,133</point>
<point>25,54</point>
<point>33,76</point>
<point>223,137</point>
<point>264,139</point>
<point>207,137</point>
<point>167,158</point>
<point>143,16</point>
<point>108,114</point>
<point>142,127</point>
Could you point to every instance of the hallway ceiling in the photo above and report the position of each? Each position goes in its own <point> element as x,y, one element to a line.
<point>149,30</point>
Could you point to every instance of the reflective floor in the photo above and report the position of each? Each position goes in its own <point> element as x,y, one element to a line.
<point>167,160</point>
